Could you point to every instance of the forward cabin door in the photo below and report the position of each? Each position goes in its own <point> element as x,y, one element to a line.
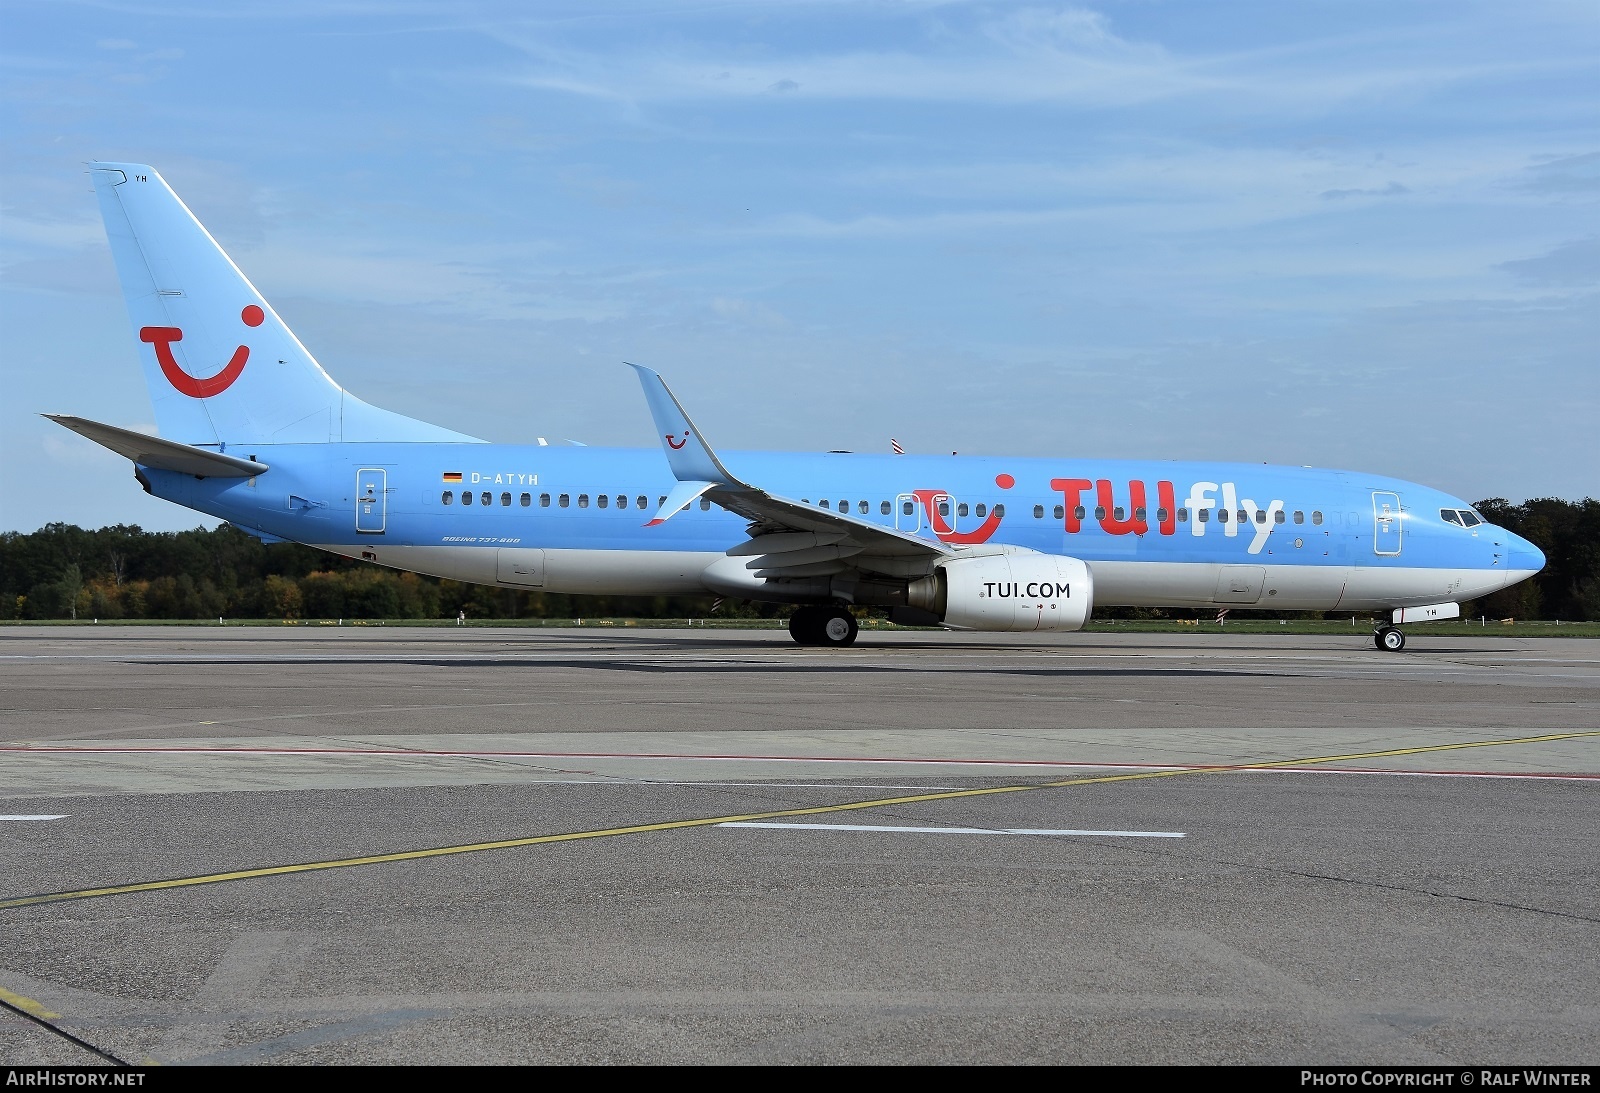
<point>1386,525</point>
<point>372,504</point>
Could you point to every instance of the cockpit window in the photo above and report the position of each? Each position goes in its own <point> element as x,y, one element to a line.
<point>1466,518</point>
<point>1450,516</point>
<point>1471,519</point>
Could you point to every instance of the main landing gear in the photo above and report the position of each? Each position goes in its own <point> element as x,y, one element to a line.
<point>834,627</point>
<point>1391,639</point>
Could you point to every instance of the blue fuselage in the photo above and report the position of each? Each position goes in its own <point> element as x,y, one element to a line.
<point>433,506</point>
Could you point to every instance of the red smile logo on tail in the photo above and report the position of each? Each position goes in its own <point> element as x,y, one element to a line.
<point>676,444</point>
<point>162,337</point>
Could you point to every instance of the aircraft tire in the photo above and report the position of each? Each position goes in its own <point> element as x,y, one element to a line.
<point>838,628</point>
<point>1391,639</point>
<point>805,626</point>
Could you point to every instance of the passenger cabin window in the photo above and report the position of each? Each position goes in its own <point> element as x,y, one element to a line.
<point>1099,512</point>
<point>944,508</point>
<point>884,508</point>
<point>1316,516</point>
<point>1203,515</point>
<point>823,503</point>
<point>564,500</point>
<point>1060,512</point>
<point>446,497</point>
<point>466,497</point>
<point>583,500</point>
<point>525,500</point>
<point>982,509</point>
<point>1038,512</point>
<point>505,500</point>
<point>603,501</point>
<point>961,509</point>
<point>1242,516</point>
<point>1299,517</point>
<point>1138,513</point>
<point>862,507</point>
<point>544,500</point>
<point>486,497</point>
<point>1278,517</point>
<point>1079,513</point>
<point>999,510</point>
<point>1261,516</point>
<point>1117,512</point>
<point>705,504</point>
<point>641,502</point>
<point>622,500</point>
<point>1161,516</point>
<point>1183,516</point>
<point>905,508</point>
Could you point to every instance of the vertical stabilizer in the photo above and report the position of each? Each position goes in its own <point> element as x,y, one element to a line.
<point>220,365</point>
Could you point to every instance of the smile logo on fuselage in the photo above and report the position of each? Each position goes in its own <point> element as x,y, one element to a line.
<point>944,528</point>
<point>162,337</point>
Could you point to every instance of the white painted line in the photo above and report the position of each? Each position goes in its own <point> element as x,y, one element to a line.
<point>61,817</point>
<point>964,830</point>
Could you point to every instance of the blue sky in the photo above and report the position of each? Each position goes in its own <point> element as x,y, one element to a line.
<point>1350,234</point>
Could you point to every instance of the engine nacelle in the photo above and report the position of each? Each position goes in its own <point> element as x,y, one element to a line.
<point>1015,592</point>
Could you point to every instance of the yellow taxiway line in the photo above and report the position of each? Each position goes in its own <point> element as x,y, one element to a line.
<point>712,821</point>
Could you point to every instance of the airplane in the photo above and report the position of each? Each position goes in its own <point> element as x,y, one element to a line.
<point>254,432</point>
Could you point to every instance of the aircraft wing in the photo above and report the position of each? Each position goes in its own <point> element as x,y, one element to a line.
<point>163,455</point>
<point>788,538</point>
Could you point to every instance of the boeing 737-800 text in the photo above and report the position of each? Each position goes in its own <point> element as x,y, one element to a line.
<point>254,432</point>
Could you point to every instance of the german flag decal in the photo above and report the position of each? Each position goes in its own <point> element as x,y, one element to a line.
<point>452,476</point>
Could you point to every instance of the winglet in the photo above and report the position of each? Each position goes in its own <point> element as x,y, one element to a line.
<point>682,495</point>
<point>688,454</point>
<point>693,463</point>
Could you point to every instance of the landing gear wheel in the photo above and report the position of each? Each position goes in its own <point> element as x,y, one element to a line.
<point>833,627</point>
<point>1391,639</point>
<point>805,625</point>
<point>839,629</point>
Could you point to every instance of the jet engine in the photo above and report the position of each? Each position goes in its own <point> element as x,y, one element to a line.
<point>1015,591</point>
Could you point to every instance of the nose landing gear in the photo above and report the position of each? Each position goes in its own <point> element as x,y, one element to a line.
<point>1391,639</point>
<point>834,627</point>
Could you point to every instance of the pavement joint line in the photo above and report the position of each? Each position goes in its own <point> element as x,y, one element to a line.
<point>713,821</point>
<point>416,753</point>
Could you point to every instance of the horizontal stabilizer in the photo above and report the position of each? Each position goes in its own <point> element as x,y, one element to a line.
<point>162,455</point>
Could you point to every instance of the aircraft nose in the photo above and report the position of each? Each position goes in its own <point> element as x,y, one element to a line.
<point>1523,556</point>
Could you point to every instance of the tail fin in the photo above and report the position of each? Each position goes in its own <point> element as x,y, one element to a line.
<point>221,367</point>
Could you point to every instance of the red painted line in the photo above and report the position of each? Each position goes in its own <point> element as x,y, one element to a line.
<point>415,753</point>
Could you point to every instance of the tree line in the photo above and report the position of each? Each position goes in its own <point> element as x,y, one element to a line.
<point>123,572</point>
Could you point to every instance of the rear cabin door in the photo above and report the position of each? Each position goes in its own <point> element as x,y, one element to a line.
<point>371,500</point>
<point>1386,523</point>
